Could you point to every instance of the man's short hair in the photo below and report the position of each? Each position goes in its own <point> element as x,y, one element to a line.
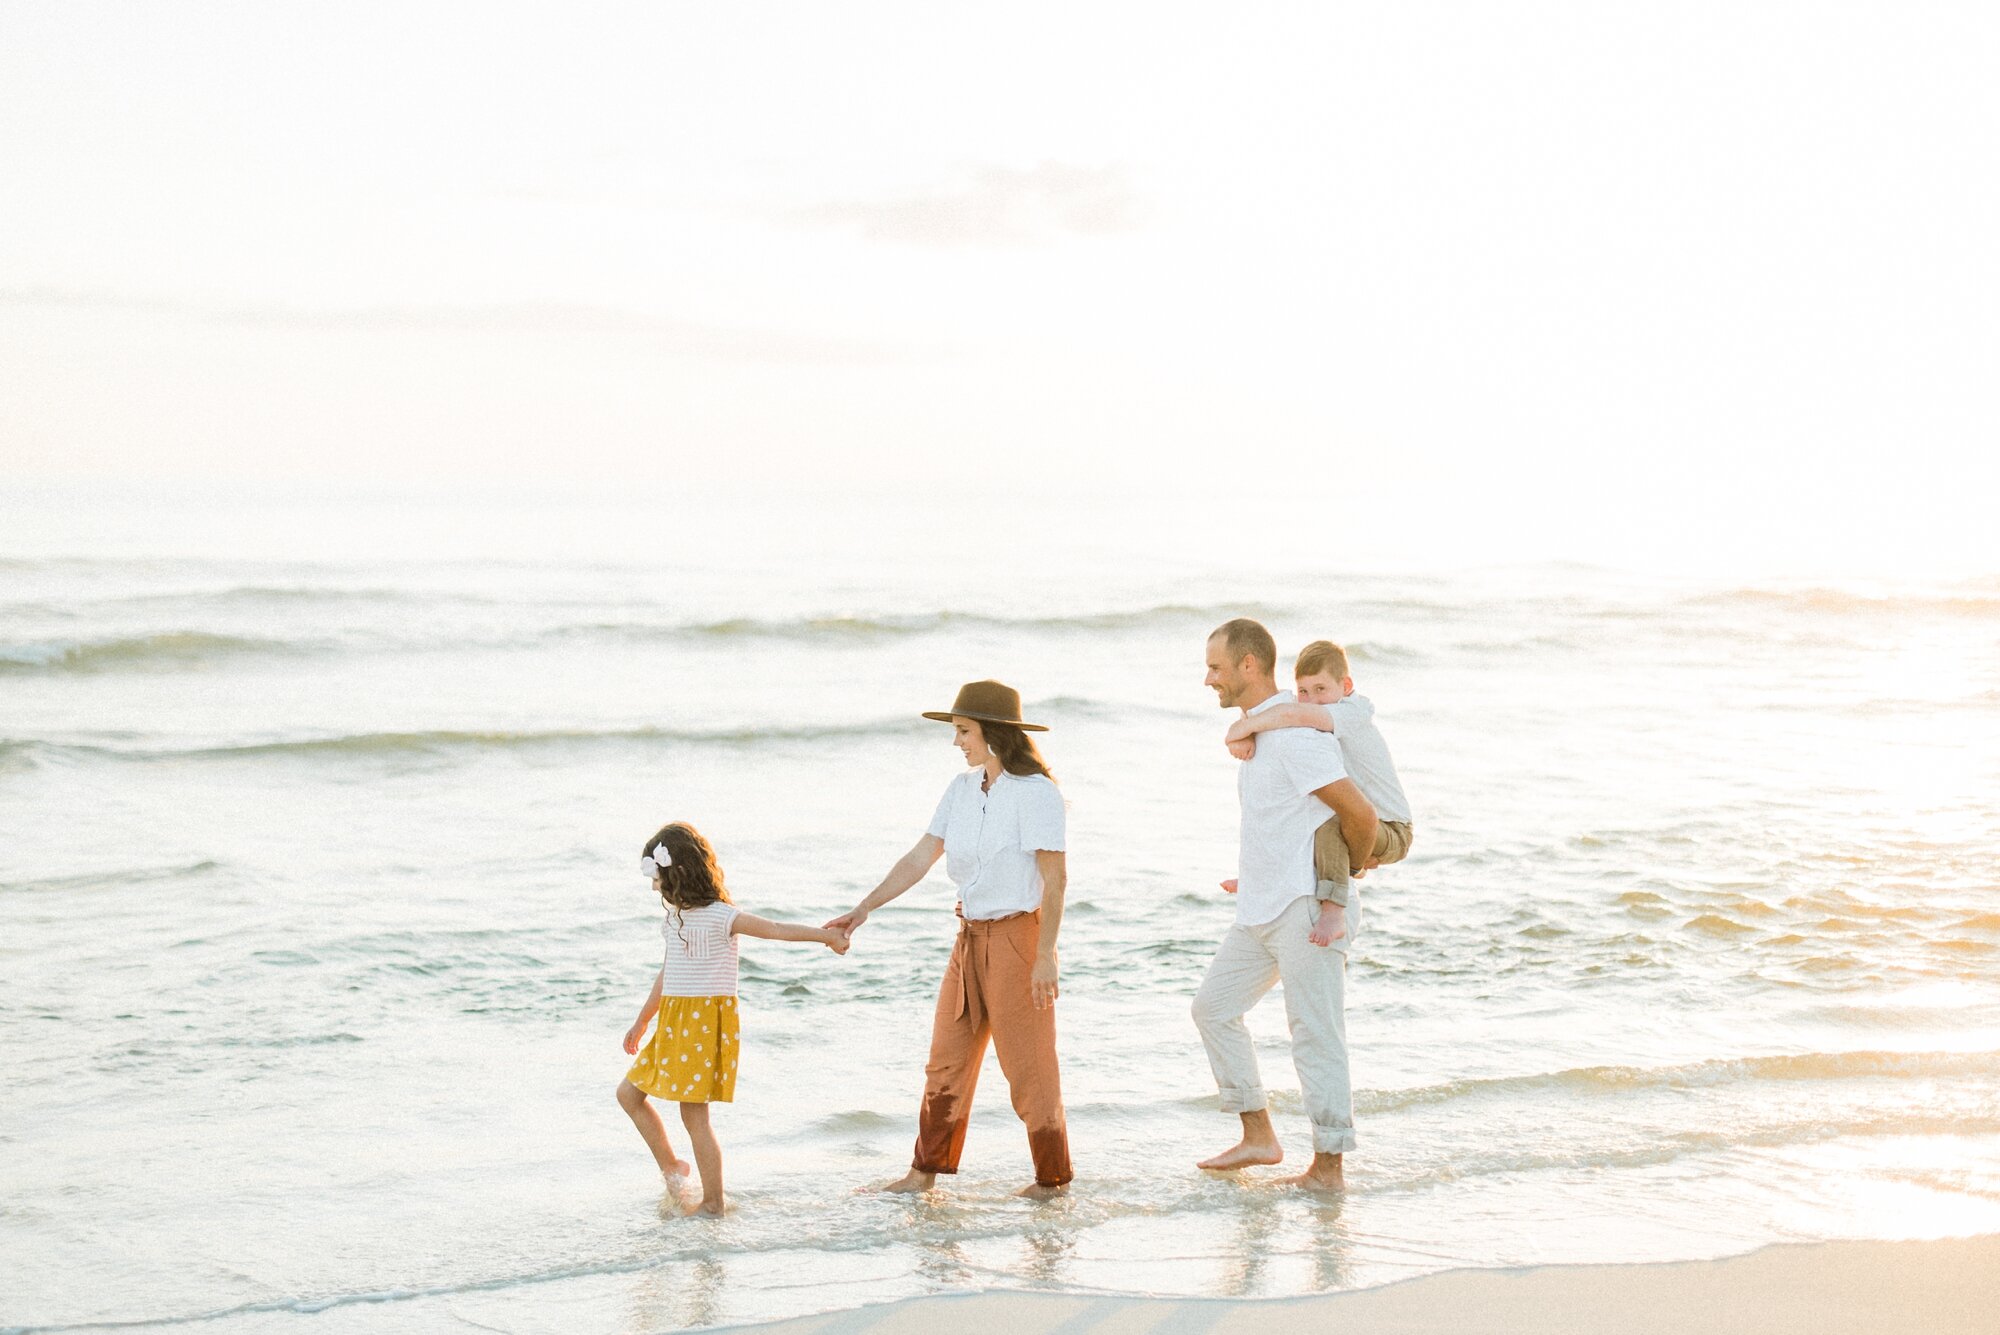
<point>1244,636</point>
<point>1321,656</point>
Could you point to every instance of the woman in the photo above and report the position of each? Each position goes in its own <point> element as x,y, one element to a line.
<point>1000,829</point>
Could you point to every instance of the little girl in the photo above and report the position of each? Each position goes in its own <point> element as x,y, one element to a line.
<point>691,1058</point>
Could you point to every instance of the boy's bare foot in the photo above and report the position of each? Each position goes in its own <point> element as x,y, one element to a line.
<point>1035,1191</point>
<point>914,1180</point>
<point>1229,886</point>
<point>1324,1176</point>
<point>1246,1153</point>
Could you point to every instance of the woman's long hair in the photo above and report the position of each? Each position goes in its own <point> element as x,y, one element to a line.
<point>693,880</point>
<point>1017,751</point>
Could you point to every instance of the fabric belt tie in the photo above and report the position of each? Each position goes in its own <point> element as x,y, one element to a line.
<point>970,1004</point>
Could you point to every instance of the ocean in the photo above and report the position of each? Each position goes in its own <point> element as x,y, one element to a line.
<point>320,919</point>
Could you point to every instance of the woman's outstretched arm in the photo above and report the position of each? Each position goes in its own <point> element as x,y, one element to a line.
<point>910,868</point>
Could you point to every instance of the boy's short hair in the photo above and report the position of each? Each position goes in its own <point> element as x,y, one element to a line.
<point>1321,656</point>
<point>1244,636</point>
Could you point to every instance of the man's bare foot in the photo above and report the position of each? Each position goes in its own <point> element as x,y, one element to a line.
<point>1325,1176</point>
<point>1035,1191</point>
<point>1245,1154</point>
<point>914,1180</point>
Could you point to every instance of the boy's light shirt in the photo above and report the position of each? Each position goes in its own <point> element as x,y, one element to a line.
<point>1367,756</point>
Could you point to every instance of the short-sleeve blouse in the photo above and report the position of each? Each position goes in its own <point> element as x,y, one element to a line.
<point>991,836</point>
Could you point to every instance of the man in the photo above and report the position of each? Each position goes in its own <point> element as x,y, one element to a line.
<point>1286,790</point>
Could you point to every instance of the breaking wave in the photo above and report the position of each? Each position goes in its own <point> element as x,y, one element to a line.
<point>179,648</point>
<point>1696,1075</point>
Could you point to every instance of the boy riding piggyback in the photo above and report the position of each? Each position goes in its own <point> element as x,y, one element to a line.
<point>1328,703</point>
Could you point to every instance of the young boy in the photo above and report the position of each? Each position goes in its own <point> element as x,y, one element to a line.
<point>1327,702</point>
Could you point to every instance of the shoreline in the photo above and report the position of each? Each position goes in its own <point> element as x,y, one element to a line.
<point>1945,1286</point>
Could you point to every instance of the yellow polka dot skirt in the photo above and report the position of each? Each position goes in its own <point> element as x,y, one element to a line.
<point>691,1057</point>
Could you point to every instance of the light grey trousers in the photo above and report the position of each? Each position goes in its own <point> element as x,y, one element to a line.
<point>1247,964</point>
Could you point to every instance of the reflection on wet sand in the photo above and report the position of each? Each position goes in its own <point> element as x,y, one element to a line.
<point>1243,1271</point>
<point>677,1296</point>
<point>1332,1246</point>
<point>1046,1251</point>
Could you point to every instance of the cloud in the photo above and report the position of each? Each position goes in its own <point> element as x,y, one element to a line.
<point>684,337</point>
<point>995,206</point>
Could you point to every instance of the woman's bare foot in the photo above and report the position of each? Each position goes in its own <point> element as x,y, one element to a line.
<point>1036,1191</point>
<point>914,1180</point>
<point>677,1171</point>
<point>709,1209</point>
<point>1246,1153</point>
<point>1325,1176</point>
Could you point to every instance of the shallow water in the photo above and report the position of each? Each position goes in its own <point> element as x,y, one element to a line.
<point>320,929</point>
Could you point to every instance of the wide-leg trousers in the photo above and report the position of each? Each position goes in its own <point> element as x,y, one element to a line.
<point>986,996</point>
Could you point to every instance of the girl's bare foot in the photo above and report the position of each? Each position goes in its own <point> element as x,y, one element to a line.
<point>1246,1153</point>
<point>914,1180</point>
<point>1036,1191</point>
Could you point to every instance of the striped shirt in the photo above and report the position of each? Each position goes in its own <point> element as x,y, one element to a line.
<point>701,952</point>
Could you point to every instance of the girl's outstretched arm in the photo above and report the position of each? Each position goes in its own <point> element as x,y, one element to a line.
<point>749,924</point>
<point>646,1014</point>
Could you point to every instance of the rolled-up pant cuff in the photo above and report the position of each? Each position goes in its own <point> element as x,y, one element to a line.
<point>1333,1139</point>
<point>1243,1098</point>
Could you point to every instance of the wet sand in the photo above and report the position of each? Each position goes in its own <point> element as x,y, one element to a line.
<point>1944,1287</point>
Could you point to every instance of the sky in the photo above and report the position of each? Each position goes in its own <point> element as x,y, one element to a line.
<point>1693,284</point>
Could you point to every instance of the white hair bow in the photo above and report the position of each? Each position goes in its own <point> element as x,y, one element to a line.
<point>657,861</point>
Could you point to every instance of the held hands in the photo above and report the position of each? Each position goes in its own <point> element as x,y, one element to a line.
<point>1042,982</point>
<point>836,940</point>
<point>846,923</point>
<point>1242,742</point>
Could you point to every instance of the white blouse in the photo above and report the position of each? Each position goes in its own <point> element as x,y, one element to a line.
<point>701,952</point>
<point>991,836</point>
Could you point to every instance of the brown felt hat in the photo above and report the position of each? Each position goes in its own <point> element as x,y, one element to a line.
<point>989,702</point>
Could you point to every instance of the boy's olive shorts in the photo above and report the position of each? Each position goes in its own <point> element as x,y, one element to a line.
<point>1330,859</point>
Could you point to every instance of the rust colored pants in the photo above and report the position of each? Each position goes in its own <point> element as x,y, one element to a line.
<point>985,995</point>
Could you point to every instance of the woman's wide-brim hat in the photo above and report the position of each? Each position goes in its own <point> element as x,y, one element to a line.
<point>989,702</point>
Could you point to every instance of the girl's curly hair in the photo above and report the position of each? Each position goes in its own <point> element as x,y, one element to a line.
<point>693,880</point>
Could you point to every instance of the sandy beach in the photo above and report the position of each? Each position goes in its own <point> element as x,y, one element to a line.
<point>1867,1288</point>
